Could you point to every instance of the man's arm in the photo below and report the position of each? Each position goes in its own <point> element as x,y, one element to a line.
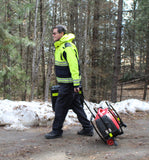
<point>73,66</point>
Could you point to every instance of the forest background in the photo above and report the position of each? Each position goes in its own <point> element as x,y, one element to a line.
<point>112,38</point>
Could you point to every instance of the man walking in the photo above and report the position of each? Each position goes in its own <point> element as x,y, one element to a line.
<point>68,76</point>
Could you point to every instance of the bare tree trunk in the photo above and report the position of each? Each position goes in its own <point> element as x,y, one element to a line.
<point>50,64</point>
<point>141,55</point>
<point>20,35</point>
<point>95,53</point>
<point>72,16</point>
<point>117,59</point>
<point>42,48</point>
<point>85,56</point>
<point>40,53</point>
<point>147,64</point>
<point>55,13</point>
<point>28,54</point>
<point>7,81</point>
<point>34,53</point>
<point>48,77</point>
<point>61,12</point>
<point>132,48</point>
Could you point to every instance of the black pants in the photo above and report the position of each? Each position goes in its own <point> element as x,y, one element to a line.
<point>66,100</point>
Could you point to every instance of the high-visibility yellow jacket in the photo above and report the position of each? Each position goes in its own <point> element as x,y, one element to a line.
<point>67,61</point>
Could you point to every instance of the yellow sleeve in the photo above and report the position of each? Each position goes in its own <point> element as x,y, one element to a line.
<point>72,59</point>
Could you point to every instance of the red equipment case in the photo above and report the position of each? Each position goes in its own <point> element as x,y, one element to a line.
<point>107,123</point>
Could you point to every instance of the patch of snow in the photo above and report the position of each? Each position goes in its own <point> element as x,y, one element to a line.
<point>21,115</point>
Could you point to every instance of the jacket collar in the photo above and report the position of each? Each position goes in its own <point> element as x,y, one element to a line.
<point>66,38</point>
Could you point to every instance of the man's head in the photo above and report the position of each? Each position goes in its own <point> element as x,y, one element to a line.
<point>58,32</point>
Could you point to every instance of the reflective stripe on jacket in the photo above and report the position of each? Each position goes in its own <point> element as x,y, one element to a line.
<point>67,61</point>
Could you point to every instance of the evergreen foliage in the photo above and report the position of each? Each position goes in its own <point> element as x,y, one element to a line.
<point>95,25</point>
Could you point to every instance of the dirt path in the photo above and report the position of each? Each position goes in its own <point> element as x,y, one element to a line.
<point>31,144</point>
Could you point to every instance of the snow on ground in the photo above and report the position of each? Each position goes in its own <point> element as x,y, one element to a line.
<point>20,115</point>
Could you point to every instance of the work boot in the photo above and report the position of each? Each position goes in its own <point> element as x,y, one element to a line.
<point>52,135</point>
<point>86,132</point>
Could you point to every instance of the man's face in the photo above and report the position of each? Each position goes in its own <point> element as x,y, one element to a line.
<point>56,35</point>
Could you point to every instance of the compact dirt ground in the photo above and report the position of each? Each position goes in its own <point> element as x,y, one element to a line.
<point>31,144</point>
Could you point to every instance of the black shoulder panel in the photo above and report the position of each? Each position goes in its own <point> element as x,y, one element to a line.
<point>67,45</point>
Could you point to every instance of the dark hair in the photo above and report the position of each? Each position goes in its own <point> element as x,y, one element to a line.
<point>61,28</point>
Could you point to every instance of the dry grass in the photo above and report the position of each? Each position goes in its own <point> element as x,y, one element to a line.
<point>132,91</point>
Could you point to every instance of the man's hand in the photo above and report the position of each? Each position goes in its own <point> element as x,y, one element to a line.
<point>76,90</point>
